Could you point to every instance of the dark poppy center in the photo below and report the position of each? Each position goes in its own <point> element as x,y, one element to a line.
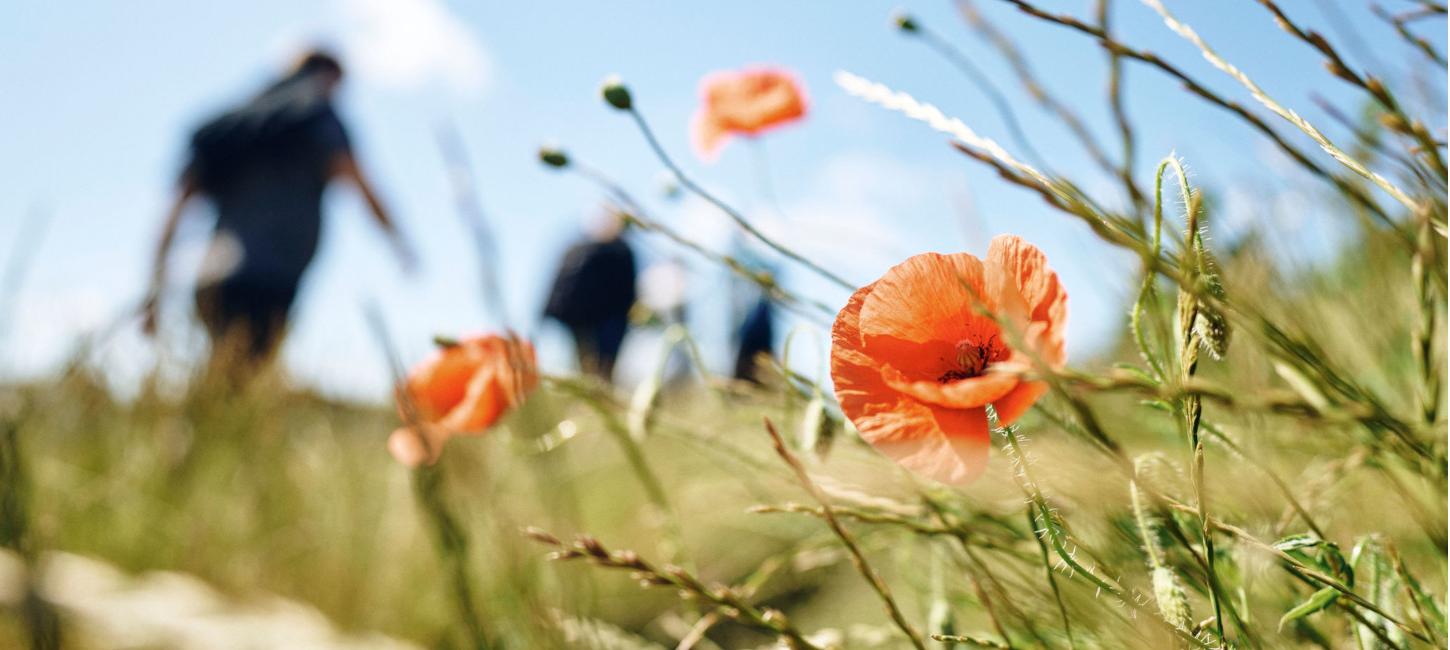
<point>973,358</point>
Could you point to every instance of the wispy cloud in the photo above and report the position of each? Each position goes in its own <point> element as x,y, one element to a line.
<point>411,44</point>
<point>863,212</point>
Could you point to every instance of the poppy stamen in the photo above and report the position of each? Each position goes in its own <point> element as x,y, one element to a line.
<point>973,359</point>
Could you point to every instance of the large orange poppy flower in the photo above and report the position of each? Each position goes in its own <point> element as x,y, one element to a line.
<point>745,102</point>
<point>463,389</point>
<point>915,362</point>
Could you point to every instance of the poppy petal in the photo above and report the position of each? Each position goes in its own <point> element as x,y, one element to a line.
<point>1012,405</point>
<point>1020,271</point>
<point>955,451</point>
<point>413,449</point>
<point>928,297</point>
<point>971,392</point>
<point>707,136</point>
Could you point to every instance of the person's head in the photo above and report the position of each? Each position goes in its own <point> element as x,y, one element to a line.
<point>606,224</point>
<point>320,64</point>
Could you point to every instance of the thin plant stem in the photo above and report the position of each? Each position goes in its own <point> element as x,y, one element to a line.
<point>449,536</point>
<point>1420,44</point>
<point>739,219</point>
<point>1033,87</point>
<point>728,602</point>
<point>453,546</point>
<point>1191,406</point>
<point>1051,577</point>
<point>1375,88</point>
<point>760,160</point>
<point>985,86</point>
<point>639,465</point>
<point>1311,574</point>
<point>1119,109</point>
<point>638,216</point>
<point>470,210</point>
<point>857,557</point>
<point>979,567</point>
<point>1197,88</point>
<point>1428,392</point>
<point>1283,486</point>
<point>1188,34</point>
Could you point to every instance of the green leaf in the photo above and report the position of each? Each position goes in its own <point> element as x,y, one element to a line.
<point>1157,404</point>
<point>1136,372</point>
<point>1321,599</point>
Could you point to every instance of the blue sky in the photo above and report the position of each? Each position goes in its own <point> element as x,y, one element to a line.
<point>101,95</point>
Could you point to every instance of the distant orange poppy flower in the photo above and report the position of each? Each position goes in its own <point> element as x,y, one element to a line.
<point>915,365</point>
<point>745,102</point>
<point>463,389</point>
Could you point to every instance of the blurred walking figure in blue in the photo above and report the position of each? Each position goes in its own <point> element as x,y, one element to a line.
<point>593,293</point>
<point>754,337</point>
<point>263,167</point>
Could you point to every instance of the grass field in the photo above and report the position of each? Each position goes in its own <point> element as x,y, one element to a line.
<point>1258,462</point>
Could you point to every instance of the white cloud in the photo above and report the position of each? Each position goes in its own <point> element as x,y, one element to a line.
<point>864,212</point>
<point>410,44</point>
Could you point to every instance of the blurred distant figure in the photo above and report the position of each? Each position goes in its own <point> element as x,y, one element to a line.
<point>752,309</point>
<point>593,293</point>
<point>263,167</point>
<point>756,337</point>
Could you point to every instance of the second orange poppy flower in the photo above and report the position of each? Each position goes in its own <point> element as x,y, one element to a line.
<point>745,102</point>
<point>461,390</point>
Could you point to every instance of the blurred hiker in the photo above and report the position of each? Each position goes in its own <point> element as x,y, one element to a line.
<point>755,338</point>
<point>592,295</point>
<point>263,167</point>
<point>753,311</point>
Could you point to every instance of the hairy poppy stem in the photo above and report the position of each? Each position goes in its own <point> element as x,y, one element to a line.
<point>1191,406</point>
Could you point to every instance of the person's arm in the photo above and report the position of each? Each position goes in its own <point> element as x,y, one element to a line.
<point>346,167</point>
<point>151,305</point>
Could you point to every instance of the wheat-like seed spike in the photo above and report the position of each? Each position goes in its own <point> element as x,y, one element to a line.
<point>1258,93</point>
<point>932,116</point>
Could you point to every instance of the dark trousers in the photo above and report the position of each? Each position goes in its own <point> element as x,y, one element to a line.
<point>245,319</point>
<point>598,345</point>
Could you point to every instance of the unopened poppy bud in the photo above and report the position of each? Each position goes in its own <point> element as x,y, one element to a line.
<point>553,157</point>
<point>903,21</point>
<point>616,94</point>
<point>444,341</point>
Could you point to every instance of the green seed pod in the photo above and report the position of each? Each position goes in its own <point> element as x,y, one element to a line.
<point>903,21</point>
<point>616,94</point>
<point>553,157</point>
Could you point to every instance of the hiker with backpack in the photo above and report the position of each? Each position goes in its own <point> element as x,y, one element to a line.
<point>263,167</point>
